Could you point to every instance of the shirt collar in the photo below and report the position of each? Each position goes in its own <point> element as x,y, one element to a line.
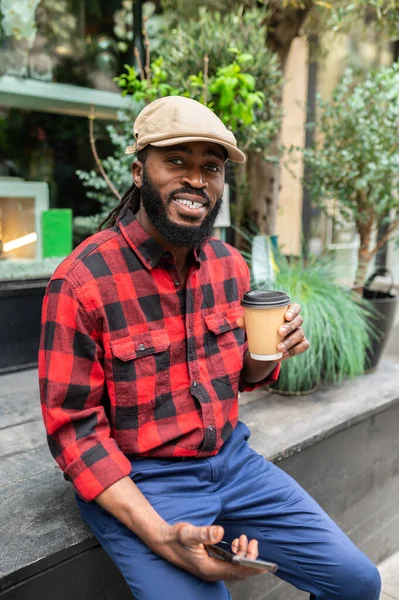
<point>146,248</point>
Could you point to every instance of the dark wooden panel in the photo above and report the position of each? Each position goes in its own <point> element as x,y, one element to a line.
<point>342,470</point>
<point>20,310</point>
<point>88,576</point>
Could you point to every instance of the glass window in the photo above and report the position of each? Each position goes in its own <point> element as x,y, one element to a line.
<point>18,235</point>
<point>39,156</point>
<point>77,42</point>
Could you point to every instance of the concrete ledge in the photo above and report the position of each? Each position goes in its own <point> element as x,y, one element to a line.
<point>283,425</point>
<point>40,527</point>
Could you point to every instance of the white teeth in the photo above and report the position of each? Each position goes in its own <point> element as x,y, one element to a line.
<point>188,203</point>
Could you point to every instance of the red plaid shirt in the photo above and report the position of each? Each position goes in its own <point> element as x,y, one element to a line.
<point>132,362</point>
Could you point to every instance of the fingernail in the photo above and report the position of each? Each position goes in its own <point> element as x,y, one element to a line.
<point>283,330</point>
<point>214,535</point>
<point>282,347</point>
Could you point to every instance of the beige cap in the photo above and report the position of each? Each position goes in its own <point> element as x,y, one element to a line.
<point>175,120</point>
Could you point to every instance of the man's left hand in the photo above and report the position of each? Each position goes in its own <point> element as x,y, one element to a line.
<point>294,341</point>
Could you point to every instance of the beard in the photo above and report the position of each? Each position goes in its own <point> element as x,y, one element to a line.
<point>189,236</point>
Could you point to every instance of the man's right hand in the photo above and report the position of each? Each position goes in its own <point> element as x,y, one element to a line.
<point>184,545</point>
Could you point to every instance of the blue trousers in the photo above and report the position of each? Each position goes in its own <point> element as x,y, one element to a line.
<point>244,493</point>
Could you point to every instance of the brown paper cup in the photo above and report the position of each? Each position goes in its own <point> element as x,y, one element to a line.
<point>264,315</point>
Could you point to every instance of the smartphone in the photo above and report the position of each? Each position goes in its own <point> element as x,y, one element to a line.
<point>223,551</point>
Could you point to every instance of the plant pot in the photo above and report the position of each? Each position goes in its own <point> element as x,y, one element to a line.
<point>20,309</point>
<point>384,307</point>
<point>382,321</point>
<point>277,390</point>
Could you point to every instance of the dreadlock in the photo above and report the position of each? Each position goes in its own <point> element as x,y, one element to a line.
<point>129,201</point>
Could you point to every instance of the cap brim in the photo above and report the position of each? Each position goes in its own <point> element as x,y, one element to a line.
<point>131,149</point>
<point>233,153</point>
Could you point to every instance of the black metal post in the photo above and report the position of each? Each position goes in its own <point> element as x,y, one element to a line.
<point>309,139</point>
<point>382,255</point>
<point>138,38</point>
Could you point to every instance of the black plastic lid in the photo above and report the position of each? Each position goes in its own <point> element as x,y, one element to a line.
<point>265,299</point>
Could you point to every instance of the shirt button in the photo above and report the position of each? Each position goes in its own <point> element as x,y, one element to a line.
<point>189,331</point>
<point>141,347</point>
<point>194,384</point>
<point>210,428</point>
<point>177,283</point>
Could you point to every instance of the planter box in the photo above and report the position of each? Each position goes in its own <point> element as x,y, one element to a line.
<point>20,310</point>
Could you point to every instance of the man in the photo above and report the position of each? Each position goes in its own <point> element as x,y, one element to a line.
<point>141,361</point>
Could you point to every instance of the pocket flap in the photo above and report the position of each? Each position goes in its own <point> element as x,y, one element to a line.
<point>223,321</point>
<point>140,344</point>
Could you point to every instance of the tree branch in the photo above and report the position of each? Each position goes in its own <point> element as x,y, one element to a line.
<point>206,63</point>
<point>385,238</point>
<point>147,51</point>
<point>92,116</point>
<point>139,63</point>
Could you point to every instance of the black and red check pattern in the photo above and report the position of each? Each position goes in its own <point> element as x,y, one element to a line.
<point>131,362</point>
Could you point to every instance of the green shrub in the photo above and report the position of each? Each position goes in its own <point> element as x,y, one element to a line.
<point>354,160</point>
<point>334,322</point>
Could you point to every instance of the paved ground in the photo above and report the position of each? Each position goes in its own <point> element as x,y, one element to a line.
<point>392,348</point>
<point>389,570</point>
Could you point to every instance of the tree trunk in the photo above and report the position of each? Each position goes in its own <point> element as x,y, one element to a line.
<point>263,184</point>
<point>364,254</point>
<point>283,26</point>
<point>241,200</point>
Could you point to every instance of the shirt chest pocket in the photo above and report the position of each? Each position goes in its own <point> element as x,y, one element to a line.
<point>141,365</point>
<point>224,342</point>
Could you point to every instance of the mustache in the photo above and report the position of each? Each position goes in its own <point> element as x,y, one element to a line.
<point>189,190</point>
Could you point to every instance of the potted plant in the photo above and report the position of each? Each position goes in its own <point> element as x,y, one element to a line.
<point>335,323</point>
<point>354,162</point>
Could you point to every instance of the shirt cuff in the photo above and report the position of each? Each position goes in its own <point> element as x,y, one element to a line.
<point>97,469</point>
<point>250,387</point>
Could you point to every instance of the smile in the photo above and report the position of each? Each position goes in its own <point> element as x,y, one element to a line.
<point>189,203</point>
<point>190,208</point>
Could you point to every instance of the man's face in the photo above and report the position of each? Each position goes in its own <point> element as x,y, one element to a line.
<point>181,190</point>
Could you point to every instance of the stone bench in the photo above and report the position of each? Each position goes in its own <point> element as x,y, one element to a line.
<point>341,444</point>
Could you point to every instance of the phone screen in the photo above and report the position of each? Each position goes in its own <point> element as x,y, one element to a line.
<point>223,551</point>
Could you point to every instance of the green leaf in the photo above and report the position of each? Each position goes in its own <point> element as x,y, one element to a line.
<point>244,58</point>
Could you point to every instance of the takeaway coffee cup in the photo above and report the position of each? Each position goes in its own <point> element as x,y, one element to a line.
<point>264,314</point>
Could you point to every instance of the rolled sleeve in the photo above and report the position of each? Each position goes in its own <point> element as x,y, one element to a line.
<point>72,379</point>
<point>97,468</point>
<point>250,387</point>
